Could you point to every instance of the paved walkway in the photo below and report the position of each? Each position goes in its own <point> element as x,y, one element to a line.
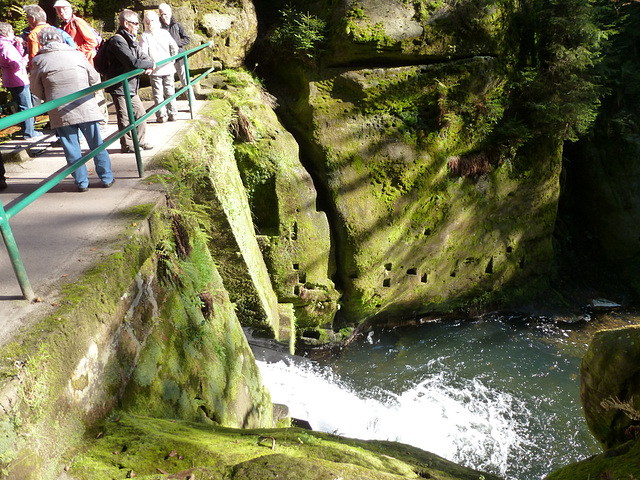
<point>65,231</point>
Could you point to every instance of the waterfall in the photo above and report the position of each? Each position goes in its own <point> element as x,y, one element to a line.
<point>462,421</point>
<point>497,396</point>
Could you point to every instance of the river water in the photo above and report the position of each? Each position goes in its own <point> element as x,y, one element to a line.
<point>499,394</point>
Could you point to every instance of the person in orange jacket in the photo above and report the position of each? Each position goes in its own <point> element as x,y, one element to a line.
<point>81,32</point>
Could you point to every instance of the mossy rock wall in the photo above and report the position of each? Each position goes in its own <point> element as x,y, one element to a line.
<point>142,445</point>
<point>68,370</point>
<point>411,236</point>
<point>196,363</point>
<point>206,161</point>
<point>293,234</point>
<point>610,370</point>
<point>435,131</point>
<point>162,320</point>
<point>385,31</point>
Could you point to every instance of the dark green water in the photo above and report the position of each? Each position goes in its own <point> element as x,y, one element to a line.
<point>498,394</point>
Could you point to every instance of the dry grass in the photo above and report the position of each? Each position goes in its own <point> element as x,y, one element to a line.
<point>241,128</point>
<point>469,166</point>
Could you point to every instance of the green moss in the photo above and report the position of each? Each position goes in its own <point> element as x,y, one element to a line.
<point>196,363</point>
<point>147,365</point>
<point>9,440</point>
<point>622,463</point>
<point>143,445</point>
<point>42,364</point>
<point>139,212</point>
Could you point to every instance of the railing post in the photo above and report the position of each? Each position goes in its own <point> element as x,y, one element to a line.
<point>14,256</point>
<point>187,76</point>
<point>134,131</point>
<point>25,200</point>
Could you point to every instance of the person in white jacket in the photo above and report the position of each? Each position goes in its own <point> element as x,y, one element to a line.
<point>159,45</point>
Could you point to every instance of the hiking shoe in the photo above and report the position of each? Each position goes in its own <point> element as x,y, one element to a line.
<point>162,119</point>
<point>83,189</point>
<point>127,149</point>
<point>110,184</point>
<point>172,118</point>
<point>146,146</point>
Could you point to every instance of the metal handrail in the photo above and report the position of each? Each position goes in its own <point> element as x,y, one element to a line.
<point>17,206</point>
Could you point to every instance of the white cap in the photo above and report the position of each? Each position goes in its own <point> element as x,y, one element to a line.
<point>61,3</point>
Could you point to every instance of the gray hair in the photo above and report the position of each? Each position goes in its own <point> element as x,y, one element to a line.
<point>127,16</point>
<point>49,35</point>
<point>5,29</point>
<point>36,12</point>
<point>165,7</point>
<point>152,20</point>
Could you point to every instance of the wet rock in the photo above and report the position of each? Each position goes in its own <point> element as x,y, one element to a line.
<point>621,462</point>
<point>609,372</point>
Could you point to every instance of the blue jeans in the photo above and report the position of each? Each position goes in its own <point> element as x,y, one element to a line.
<point>70,139</point>
<point>22,96</point>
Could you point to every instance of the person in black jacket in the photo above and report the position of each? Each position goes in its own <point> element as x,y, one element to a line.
<point>179,35</point>
<point>123,56</point>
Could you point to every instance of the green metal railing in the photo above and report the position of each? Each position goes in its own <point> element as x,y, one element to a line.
<point>21,203</point>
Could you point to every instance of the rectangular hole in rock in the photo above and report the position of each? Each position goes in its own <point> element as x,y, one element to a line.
<point>489,267</point>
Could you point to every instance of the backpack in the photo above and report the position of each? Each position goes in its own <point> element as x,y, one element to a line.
<point>101,60</point>
<point>98,38</point>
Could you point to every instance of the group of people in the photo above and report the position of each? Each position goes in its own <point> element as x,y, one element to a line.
<point>51,62</point>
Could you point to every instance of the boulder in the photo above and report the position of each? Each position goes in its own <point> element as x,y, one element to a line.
<point>610,373</point>
<point>233,28</point>
<point>394,30</point>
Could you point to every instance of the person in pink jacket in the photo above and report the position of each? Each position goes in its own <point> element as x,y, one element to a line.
<point>15,78</point>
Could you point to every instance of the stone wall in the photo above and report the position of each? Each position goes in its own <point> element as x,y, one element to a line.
<point>151,328</point>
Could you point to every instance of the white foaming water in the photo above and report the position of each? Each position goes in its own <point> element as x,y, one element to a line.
<point>461,420</point>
